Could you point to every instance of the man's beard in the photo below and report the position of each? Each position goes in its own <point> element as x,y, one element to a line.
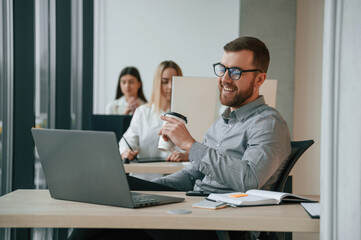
<point>238,99</point>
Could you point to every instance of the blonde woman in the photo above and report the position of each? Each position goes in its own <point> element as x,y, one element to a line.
<point>142,134</point>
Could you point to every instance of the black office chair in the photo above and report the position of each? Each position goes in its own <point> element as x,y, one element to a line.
<point>111,123</point>
<point>298,148</point>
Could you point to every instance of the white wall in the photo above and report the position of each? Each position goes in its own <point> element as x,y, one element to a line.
<point>144,33</point>
<point>307,98</point>
<point>308,92</point>
<point>274,22</point>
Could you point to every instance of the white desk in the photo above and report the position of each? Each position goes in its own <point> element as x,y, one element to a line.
<point>35,208</point>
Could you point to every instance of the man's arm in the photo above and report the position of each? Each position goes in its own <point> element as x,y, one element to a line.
<point>268,145</point>
<point>182,180</point>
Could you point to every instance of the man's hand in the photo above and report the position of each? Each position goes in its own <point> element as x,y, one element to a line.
<point>177,132</point>
<point>129,154</point>
<point>178,157</point>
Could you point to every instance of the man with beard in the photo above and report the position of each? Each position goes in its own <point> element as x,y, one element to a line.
<point>246,148</point>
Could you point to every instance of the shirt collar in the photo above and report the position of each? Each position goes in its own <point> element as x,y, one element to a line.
<point>244,110</point>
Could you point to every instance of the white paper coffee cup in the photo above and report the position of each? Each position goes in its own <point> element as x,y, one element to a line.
<point>168,146</point>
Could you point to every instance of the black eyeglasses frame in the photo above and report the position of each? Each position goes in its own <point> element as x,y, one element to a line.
<point>231,68</point>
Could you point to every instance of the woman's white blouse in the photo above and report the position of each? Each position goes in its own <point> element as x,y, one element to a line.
<point>119,105</point>
<point>142,135</point>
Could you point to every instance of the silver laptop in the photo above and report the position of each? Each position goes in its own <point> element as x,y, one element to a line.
<point>86,166</point>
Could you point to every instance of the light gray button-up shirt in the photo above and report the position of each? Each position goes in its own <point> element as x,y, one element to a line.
<point>244,149</point>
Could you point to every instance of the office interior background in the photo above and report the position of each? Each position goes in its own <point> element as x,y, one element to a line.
<point>59,61</point>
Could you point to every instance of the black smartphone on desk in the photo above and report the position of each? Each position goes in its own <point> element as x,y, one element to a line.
<point>198,193</point>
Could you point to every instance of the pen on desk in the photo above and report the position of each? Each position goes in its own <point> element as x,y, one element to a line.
<point>228,204</point>
<point>130,147</point>
<point>211,200</point>
<point>231,205</point>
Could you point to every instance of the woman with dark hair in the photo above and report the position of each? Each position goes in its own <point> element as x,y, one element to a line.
<point>129,94</point>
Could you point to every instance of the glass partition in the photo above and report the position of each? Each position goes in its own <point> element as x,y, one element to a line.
<point>44,87</point>
<point>6,93</point>
<point>42,79</point>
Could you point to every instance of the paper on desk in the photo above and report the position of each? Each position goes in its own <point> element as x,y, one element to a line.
<point>313,209</point>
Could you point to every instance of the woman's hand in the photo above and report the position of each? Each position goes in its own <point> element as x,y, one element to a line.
<point>129,154</point>
<point>132,105</point>
<point>178,157</point>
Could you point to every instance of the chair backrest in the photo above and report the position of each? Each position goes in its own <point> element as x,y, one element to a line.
<point>298,148</point>
<point>111,123</point>
<point>269,90</point>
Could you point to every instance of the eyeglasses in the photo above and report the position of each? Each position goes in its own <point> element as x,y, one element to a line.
<point>234,73</point>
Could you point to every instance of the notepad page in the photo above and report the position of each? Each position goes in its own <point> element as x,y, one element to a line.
<point>247,200</point>
<point>267,194</point>
<point>314,209</point>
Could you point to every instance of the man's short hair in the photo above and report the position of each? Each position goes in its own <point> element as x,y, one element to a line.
<point>261,56</point>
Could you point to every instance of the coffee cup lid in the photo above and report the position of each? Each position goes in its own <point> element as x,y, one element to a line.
<point>177,115</point>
